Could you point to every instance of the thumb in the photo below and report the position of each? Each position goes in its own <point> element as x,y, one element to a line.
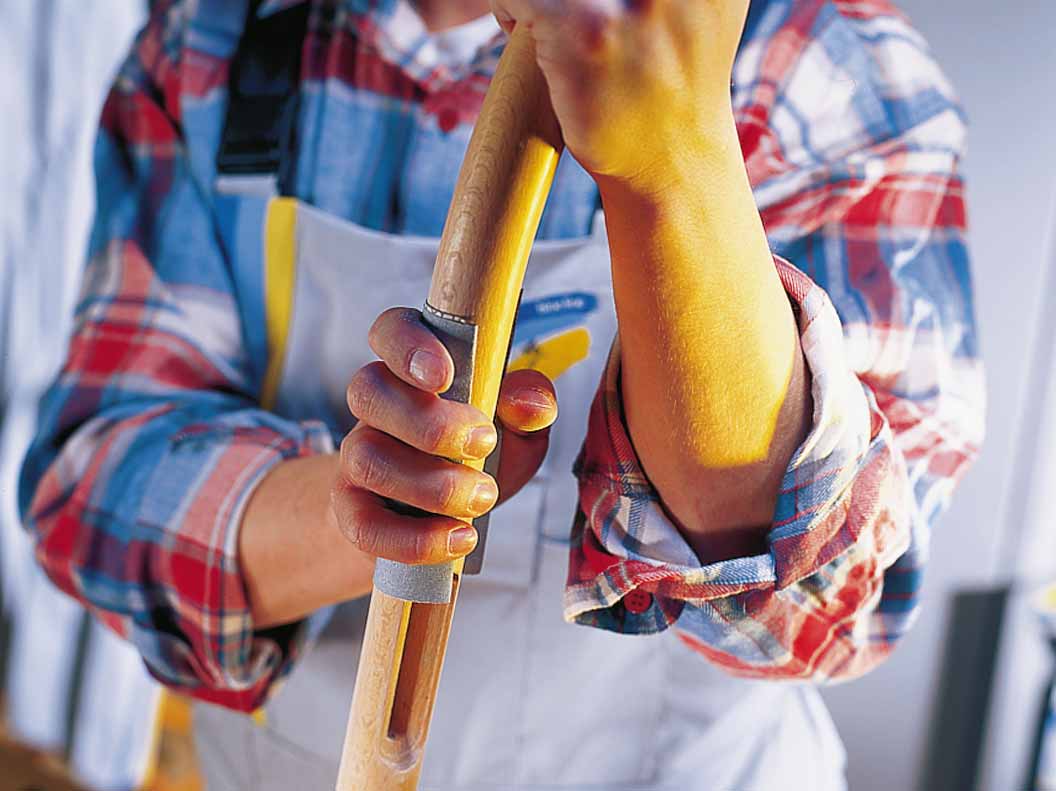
<point>519,459</point>
<point>526,409</point>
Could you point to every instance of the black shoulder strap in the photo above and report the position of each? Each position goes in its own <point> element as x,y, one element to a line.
<point>259,138</point>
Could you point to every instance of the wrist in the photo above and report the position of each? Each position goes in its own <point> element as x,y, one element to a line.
<point>689,162</point>
<point>292,557</point>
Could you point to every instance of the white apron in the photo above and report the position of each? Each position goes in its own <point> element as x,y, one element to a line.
<point>525,699</point>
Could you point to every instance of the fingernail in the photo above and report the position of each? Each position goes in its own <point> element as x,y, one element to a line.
<point>461,541</point>
<point>483,497</point>
<point>427,368</point>
<point>480,442</point>
<point>534,399</point>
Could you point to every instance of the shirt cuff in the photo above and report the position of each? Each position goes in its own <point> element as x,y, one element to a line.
<point>631,570</point>
<point>215,653</point>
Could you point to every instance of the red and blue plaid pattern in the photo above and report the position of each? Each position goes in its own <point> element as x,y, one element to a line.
<point>152,437</point>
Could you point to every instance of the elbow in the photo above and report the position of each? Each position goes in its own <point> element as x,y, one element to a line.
<point>814,631</point>
<point>859,622</point>
<point>837,660</point>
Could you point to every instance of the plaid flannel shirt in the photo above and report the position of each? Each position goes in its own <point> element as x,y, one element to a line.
<point>152,438</point>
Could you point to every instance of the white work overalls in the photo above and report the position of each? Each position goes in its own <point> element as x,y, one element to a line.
<point>526,699</point>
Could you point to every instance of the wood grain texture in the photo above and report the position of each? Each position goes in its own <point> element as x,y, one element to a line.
<point>495,211</point>
<point>399,672</point>
<point>493,218</point>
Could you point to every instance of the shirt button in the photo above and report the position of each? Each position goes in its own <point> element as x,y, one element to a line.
<point>638,601</point>
<point>447,119</point>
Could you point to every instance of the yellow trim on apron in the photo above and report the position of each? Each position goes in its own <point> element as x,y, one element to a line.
<point>174,766</point>
<point>280,264</point>
<point>280,277</point>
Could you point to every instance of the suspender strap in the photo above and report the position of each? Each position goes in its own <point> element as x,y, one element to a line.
<point>259,139</point>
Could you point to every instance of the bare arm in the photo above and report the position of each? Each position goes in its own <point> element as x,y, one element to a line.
<point>715,391</point>
<point>714,388</point>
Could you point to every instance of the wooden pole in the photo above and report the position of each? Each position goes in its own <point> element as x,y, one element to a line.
<point>492,221</point>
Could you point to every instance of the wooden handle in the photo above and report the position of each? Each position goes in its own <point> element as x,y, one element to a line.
<point>492,221</point>
<point>495,211</point>
<point>399,672</point>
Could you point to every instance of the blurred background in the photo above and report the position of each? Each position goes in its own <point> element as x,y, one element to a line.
<point>963,704</point>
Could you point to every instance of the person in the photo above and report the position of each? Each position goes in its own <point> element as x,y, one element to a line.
<point>760,208</point>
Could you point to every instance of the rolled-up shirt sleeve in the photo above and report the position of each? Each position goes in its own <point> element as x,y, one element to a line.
<point>880,285</point>
<point>841,520</point>
<point>151,439</point>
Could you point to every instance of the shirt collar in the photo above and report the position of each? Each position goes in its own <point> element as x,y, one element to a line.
<point>397,32</point>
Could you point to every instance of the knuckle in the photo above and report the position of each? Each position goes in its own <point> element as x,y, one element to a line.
<point>386,545</point>
<point>421,546</point>
<point>399,545</point>
<point>353,532</point>
<point>384,321</point>
<point>367,539</point>
<point>394,329</point>
<point>366,466</point>
<point>348,447</point>
<point>364,391</point>
<point>352,444</point>
<point>348,514</point>
<point>448,493</point>
<point>434,434</point>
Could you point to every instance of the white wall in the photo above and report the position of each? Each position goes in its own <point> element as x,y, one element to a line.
<point>1025,663</point>
<point>57,59</point>
<point>1002,59</point>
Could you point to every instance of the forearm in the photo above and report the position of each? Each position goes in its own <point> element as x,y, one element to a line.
<point>293,557</point>
<point>715,391</point>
